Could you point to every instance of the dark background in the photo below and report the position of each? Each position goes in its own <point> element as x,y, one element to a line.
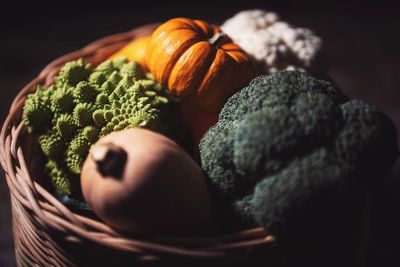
<point>361,40</point>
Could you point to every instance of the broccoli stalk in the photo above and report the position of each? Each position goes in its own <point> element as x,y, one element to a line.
<point>85,104</point>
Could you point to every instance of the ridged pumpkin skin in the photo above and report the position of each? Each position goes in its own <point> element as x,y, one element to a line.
<point>203,71</point>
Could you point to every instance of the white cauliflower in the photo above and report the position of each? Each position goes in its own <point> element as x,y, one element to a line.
<point>274,44</point>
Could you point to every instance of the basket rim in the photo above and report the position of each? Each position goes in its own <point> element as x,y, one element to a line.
<point>49,213</point>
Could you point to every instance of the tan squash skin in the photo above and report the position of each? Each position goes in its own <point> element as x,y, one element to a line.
<point>162,190</point>
<point>182,56</point>
<point>134,51</point>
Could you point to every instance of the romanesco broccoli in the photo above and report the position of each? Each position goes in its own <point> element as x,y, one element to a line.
<point>85,104</point>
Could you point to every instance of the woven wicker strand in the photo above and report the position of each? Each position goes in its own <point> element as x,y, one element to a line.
<point>47,233</point>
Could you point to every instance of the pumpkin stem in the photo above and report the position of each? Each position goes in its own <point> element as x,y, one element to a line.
<point>217,39</point>
<point>109,158</point>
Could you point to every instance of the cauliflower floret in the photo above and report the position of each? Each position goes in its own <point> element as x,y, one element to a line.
<point>274,44</point>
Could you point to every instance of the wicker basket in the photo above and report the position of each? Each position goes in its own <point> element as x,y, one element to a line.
<point>47,233</point>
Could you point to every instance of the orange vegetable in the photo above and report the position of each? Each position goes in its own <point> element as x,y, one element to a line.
<point>140,182</point>
<point>198,63</point>
<point>134,51</point>
<point>198,122</point>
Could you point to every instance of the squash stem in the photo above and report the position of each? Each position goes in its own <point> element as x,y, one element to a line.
<point>110,159</point>
<point>217,39</point>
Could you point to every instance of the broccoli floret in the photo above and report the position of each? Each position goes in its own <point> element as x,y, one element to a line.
<point>290,143</point>
<point>85,104</point>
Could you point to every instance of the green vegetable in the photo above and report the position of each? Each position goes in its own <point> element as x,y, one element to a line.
<point>290,148</point>
<point>85,104</point>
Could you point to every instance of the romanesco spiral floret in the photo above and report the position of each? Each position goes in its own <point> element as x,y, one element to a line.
<point>66,126</point>
<point>73,72</point>
<point>58,177</point>
<point>80,144</point>
<point>102,99</point>
<point>62,101</point>
<point>97,78</point>
<point>107,87</point>
<point>85,104</point>
<point>51,144</point>
<point>119,62</point>
<point>98,118</point>
<point>132,70</point>
<point>85,92</point>
<point>36,113</point>
<point>74,161</point>
<point>108,115</point>
<point>106,68</point>
<point>91,133</point>
<point>82,114</point>
<point>114,78</point>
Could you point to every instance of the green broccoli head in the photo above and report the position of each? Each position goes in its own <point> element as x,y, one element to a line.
<point>289,144</point>
<point>85,104</point>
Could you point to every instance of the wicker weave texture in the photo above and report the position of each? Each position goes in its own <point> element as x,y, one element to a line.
<point>49,234</point>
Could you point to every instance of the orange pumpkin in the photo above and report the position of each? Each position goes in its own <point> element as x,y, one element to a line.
<point>197,62</point>
<point>134,51</point>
